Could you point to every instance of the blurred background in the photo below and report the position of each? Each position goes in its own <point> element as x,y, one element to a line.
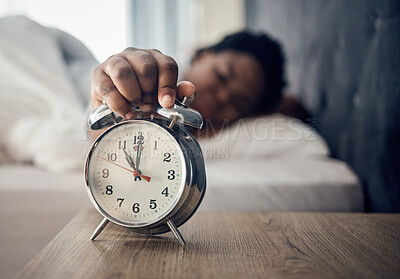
<point>342,61</point>
<point>175,27</point>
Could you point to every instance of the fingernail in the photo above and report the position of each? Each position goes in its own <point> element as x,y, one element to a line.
<point>167,100</point>
<point>129,115</point>
<point>146,108</point>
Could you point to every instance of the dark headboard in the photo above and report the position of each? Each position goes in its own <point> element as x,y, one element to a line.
<point>344,65</point>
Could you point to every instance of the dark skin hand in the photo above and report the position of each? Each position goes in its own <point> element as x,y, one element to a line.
<point>138,77</point>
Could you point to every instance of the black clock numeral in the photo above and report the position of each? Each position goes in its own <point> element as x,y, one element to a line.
<point>109,189</point>
<point>155,145</point>
<point>122,144</point>
<point>167,157</point>
<point>120,200</point>
<point>112,157</point>
<point>106,173</point>
<point>141,139</point>
<point>171,175</point>
<point>135,207</point>
<point>138,139</point>
<point>165,192</point>
<point>153,204</point>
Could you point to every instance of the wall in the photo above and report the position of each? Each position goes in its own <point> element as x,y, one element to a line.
<point>178,27</point>
<point>217,19</point>
<point>344,64</point>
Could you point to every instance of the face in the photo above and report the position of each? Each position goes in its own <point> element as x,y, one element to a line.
<point>228,85</point>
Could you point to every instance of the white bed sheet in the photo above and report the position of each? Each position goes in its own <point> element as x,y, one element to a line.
<point>283,184</point>
<point>276,184</point>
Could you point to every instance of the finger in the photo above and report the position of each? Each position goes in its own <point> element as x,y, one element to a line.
<point>124,79</point>
<point>96,102</point>
<point>94,96</point>
<point>145,68</point>
<point>148,101</point>
<point>167,78</point>
<point>104,89</point>
<point>186,89</point>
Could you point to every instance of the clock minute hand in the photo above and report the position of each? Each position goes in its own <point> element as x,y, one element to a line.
<point>139,153</point>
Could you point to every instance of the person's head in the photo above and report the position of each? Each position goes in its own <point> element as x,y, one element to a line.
<point>240,76</point>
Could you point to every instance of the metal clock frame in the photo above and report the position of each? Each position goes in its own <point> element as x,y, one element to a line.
<point>190,197</point>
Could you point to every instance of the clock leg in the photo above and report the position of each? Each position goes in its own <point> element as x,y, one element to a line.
<point>99,228</point>
<point>176,232</point>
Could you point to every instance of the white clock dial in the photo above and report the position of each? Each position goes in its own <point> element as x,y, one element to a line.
<point>136,173</point>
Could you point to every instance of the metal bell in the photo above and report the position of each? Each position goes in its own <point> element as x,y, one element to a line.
<point>103,117</point>
<point>181,113</point>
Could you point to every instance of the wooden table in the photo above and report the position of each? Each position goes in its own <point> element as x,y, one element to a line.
<point>229,245</point>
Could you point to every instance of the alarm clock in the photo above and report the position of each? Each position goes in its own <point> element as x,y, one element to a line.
<point>146,174</point>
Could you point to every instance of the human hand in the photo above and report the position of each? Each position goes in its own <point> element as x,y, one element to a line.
<point>138,77</point>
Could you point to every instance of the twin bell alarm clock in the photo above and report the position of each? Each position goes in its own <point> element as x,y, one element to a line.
<point>146,174</point>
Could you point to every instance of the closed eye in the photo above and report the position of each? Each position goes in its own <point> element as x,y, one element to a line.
<point>221,77</point>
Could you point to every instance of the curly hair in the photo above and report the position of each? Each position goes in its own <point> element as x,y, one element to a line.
<point>268,53</point>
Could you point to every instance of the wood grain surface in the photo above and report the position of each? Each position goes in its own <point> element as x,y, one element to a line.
<point>229,245</point>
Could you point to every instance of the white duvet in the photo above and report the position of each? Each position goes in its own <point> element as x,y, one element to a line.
<point>44,90</point>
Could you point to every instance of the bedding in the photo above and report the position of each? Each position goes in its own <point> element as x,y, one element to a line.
<point>44,92</point>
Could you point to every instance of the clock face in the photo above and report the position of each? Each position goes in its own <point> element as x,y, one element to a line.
<point>136,173</point>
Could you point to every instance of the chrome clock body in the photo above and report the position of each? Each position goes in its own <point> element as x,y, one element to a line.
<point>174,201</point>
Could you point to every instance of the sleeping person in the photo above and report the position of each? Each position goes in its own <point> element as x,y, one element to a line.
<point>241,76</point>
<point>237,85</point>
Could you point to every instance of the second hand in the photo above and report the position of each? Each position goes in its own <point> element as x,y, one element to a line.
<point>147,178</point>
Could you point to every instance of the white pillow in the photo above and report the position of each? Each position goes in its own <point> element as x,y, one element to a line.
<point>265,136</point>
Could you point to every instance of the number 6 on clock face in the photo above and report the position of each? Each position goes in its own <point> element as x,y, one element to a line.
<point>136,173</point>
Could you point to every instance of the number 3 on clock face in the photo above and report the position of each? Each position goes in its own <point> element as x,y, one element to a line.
<point>136,173</point>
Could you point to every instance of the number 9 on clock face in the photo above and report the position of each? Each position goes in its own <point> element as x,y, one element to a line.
<point>136,173</point>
